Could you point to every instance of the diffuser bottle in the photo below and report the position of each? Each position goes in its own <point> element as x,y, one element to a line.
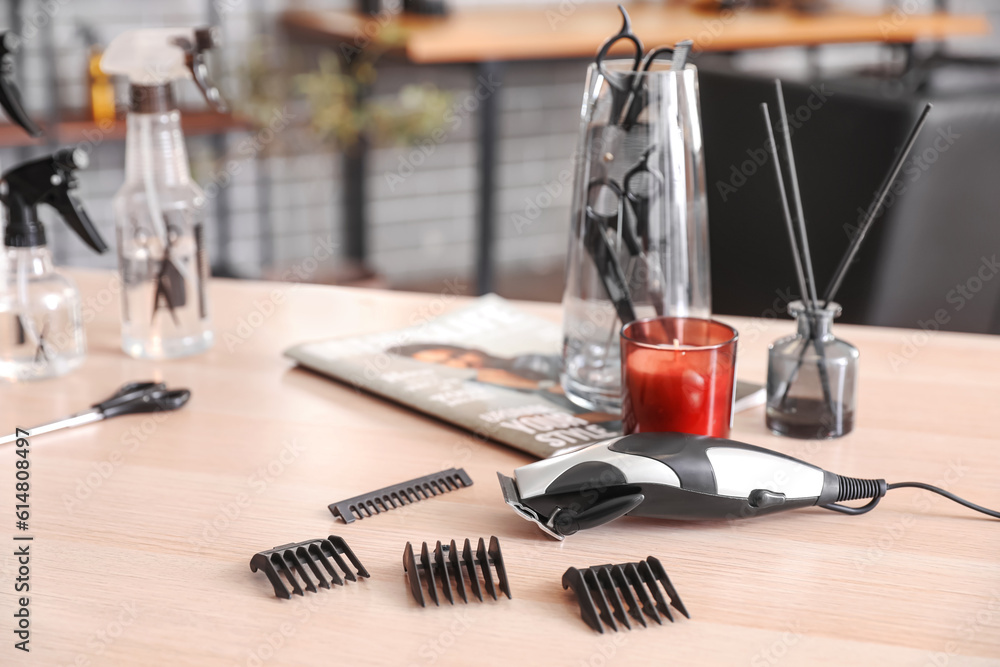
<point>812,378</point>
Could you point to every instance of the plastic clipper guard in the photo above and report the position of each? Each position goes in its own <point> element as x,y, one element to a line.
<point>455,569</point>
<point>604,592</point>
<point>298,559</point>
<point>391,497</point>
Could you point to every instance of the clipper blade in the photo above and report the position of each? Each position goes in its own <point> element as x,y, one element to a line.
<point>292,559</point>
<point>455,569</point>
<point>614,587</point>
<point>391,497</point>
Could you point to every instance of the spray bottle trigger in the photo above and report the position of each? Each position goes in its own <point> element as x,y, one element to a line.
<point>10,96</point>
<point>76,217</point>
<point>194,57</point>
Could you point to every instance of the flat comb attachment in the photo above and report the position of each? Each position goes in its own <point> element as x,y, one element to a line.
<point>456,570</point>
<point>398,495</point>
<point>617,594</point>
<point>292,564</point>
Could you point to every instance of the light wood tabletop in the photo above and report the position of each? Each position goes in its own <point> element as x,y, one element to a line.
<point>574,30</point>
<point>144,526</point>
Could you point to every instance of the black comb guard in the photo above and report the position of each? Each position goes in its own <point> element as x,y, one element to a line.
<point>454,569</point>
<point>608,584</point>
<point>391,497</point>
<point>292,559</point>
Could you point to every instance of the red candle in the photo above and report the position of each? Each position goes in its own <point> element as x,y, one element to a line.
<point>678,374</point>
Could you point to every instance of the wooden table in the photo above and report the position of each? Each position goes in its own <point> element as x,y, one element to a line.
<point>487,38</point>
<point>144,528</point>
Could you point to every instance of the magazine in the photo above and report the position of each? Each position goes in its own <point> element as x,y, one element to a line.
<point>489,368</point>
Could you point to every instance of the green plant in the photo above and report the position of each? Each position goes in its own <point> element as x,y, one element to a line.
<point>343,112</point>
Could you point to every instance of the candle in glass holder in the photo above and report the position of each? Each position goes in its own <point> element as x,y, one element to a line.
<point>678,374</point>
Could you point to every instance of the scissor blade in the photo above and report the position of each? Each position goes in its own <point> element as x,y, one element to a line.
<point>86,417</point>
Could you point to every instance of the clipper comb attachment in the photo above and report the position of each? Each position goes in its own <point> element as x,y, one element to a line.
<point>391,497</point>
<point>292,559</point>
<point>605,583</point>
<point>454,568</point>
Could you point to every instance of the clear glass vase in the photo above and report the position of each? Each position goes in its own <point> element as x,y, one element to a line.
<point>638,242</point>
<point>812,378</point>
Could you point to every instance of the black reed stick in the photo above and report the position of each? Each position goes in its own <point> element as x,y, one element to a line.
<point>855,246</point>
<point>809,295</point>
<point>796,196</point>
<point>796,255</point>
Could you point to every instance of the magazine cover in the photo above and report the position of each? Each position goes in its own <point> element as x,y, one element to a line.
<point>489,368</point>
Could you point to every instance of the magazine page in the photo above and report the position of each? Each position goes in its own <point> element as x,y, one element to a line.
<point>489,368</point>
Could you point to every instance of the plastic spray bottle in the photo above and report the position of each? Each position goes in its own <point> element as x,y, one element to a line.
<point>41,324</point>
<point>10,96</point>
<point>159,209</point>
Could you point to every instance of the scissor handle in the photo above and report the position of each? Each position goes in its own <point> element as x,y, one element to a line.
<point>139,397</point>
<point>624,33</point>
<point>627,231</point>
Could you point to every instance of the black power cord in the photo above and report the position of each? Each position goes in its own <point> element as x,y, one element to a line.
<point>947,494</point>
<point>852,488</point>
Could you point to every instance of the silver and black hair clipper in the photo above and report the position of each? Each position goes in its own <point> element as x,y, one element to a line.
<point>673,476</point>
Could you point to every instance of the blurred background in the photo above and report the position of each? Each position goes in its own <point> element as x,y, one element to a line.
<point>400,149</point>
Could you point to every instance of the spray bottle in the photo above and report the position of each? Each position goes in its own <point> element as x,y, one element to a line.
<point>10,98</point>
<point>159,209</point>
<point>41,324</point>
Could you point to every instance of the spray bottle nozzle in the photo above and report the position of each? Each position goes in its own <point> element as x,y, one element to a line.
<point>10,96</point>
<point>155,57</point>
<point>49,180</point>
<point>194,57</point>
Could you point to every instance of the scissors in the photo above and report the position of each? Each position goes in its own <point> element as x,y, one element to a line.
<point>632,196</point>
<point>628,93</point>
<point>634,233</point>
<point>169,280</point>
<point>133,398</point>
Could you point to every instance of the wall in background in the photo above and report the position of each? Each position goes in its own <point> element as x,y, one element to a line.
<point>422,215</point>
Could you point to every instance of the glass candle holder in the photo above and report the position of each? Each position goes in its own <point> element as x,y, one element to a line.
<point>678,374</point>
<point>811,378</point>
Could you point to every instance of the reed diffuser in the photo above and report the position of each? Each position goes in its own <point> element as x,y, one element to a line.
<point>812,375</point>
